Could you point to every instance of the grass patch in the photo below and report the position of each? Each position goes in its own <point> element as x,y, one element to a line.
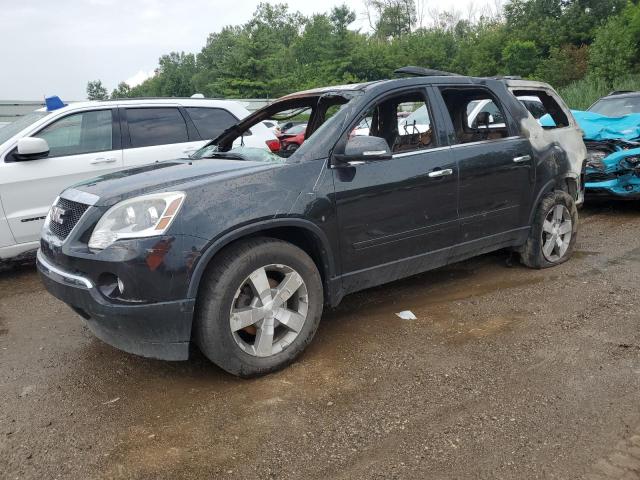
<point>581,94</point>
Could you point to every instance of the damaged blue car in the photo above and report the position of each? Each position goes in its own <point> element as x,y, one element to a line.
<point>613,154</point>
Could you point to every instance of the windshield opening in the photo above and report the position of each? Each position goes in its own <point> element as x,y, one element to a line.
<point>20,124</point>
<point>296,120</point>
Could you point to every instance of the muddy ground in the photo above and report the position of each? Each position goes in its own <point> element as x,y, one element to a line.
<point>506,373</point>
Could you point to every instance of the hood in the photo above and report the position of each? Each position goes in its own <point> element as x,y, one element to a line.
<point>169,175</point>
<point>599,127</point>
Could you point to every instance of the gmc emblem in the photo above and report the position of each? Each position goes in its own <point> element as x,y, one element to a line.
<point>57,214</point>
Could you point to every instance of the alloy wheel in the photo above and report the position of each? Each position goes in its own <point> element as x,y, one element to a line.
<point>269,310</point>
<point>557,230</point>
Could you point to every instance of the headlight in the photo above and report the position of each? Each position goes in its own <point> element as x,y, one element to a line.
<point>47,219</point>
<point>144,216</point>
<point>594,159</point>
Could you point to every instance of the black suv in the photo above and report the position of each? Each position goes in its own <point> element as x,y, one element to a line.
<point>239,249</point>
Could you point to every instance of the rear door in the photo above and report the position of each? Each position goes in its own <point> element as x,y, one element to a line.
<point>495,162</point>
<point>82,145</point>
<point>157,133</point>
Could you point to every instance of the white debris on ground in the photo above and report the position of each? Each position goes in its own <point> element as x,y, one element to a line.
<point>406,315</point>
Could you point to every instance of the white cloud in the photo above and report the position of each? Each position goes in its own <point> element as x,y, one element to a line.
<point>138,78</point>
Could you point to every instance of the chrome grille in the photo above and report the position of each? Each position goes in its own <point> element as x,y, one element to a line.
<point>65,214</point>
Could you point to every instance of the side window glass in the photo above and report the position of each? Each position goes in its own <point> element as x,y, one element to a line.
<point>475,113</point>
<point>211,122</point>
<point>403,121</point>
<point>543,107</point>
<point>480,112</point>
<point>156,126</point>
<point>79,133</point>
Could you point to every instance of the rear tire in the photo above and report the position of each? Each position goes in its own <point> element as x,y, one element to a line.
<point>553,233</point>
<point>258,307</point>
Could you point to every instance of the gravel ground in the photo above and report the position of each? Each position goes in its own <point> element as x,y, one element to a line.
<point>507,373</point>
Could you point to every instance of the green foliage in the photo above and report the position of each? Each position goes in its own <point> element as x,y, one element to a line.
<point>520,57</point>
<point>96,91</point>
<point>395,18</point>
<point>563,65</point>
<point>279,51</point>
<point>123,91</point>
<point>613,51</point>
<point>583,93</point>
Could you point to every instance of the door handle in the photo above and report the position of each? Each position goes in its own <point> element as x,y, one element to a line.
<point>100,161</point>
<point>522,159</point>
<point>441,173</point>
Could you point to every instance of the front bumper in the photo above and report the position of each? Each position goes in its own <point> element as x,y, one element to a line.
<point>624,186</point>
<point>156,330</point>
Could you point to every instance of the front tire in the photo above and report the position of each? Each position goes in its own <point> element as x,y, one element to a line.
<point>553,233</point>
<point>259,306</point>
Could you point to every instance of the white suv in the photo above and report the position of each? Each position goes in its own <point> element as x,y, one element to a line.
<point>48,150</point>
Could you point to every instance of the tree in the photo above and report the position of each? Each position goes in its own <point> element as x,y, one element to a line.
<point>393,18</point>
<point>96,91</point>
<point>564,65</point>
<point>614,49</point>
<point>520,57</point>
<point>122,91</point>
<point>278,51</point>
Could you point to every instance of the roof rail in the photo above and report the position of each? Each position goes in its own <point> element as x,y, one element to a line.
<point>507,77</point>
<point>160,98</point>
<point>423,72</point>
<point>620,92</point>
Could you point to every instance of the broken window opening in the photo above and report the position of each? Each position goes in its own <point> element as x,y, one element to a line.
<point>475,113</point>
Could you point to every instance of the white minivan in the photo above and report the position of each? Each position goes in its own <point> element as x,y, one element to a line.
<point>48,150</point>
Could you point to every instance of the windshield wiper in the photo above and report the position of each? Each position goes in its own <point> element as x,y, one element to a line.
<point>229,155</point>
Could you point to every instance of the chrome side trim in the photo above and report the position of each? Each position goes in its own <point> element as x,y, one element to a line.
<point>481,142</point>
<point>79,196</point>
<point>65,277</point>
<point>420,152</point>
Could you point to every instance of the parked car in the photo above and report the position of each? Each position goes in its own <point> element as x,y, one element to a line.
<point>613,154</point>
<point>238,249</point>
<point>52,148</point>
<point>273,126</point>
<point>291,140</point>
<point>617,104</point>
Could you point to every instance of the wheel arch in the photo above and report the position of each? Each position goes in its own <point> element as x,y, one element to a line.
<point>546,188</point>
<point>300,232</point>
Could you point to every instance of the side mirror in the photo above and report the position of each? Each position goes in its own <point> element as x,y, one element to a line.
<point>363,149</point>
<point>32,148</point>
<point>483,119</point>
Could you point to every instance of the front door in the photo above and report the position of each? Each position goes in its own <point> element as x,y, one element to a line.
<point>81,145</point>
<point>397,216</point>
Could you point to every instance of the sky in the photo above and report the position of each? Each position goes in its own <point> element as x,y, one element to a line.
<point>55,47</point>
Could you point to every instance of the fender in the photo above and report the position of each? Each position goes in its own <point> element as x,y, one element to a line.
<point>326,251</point>
<point>546,188</point>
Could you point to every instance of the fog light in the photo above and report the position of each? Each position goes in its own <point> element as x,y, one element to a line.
<point>110,285</point>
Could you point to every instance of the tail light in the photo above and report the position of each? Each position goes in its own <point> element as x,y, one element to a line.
<point>274,145</point>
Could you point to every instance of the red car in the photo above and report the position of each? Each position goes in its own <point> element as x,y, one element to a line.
<point>291,139</point>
